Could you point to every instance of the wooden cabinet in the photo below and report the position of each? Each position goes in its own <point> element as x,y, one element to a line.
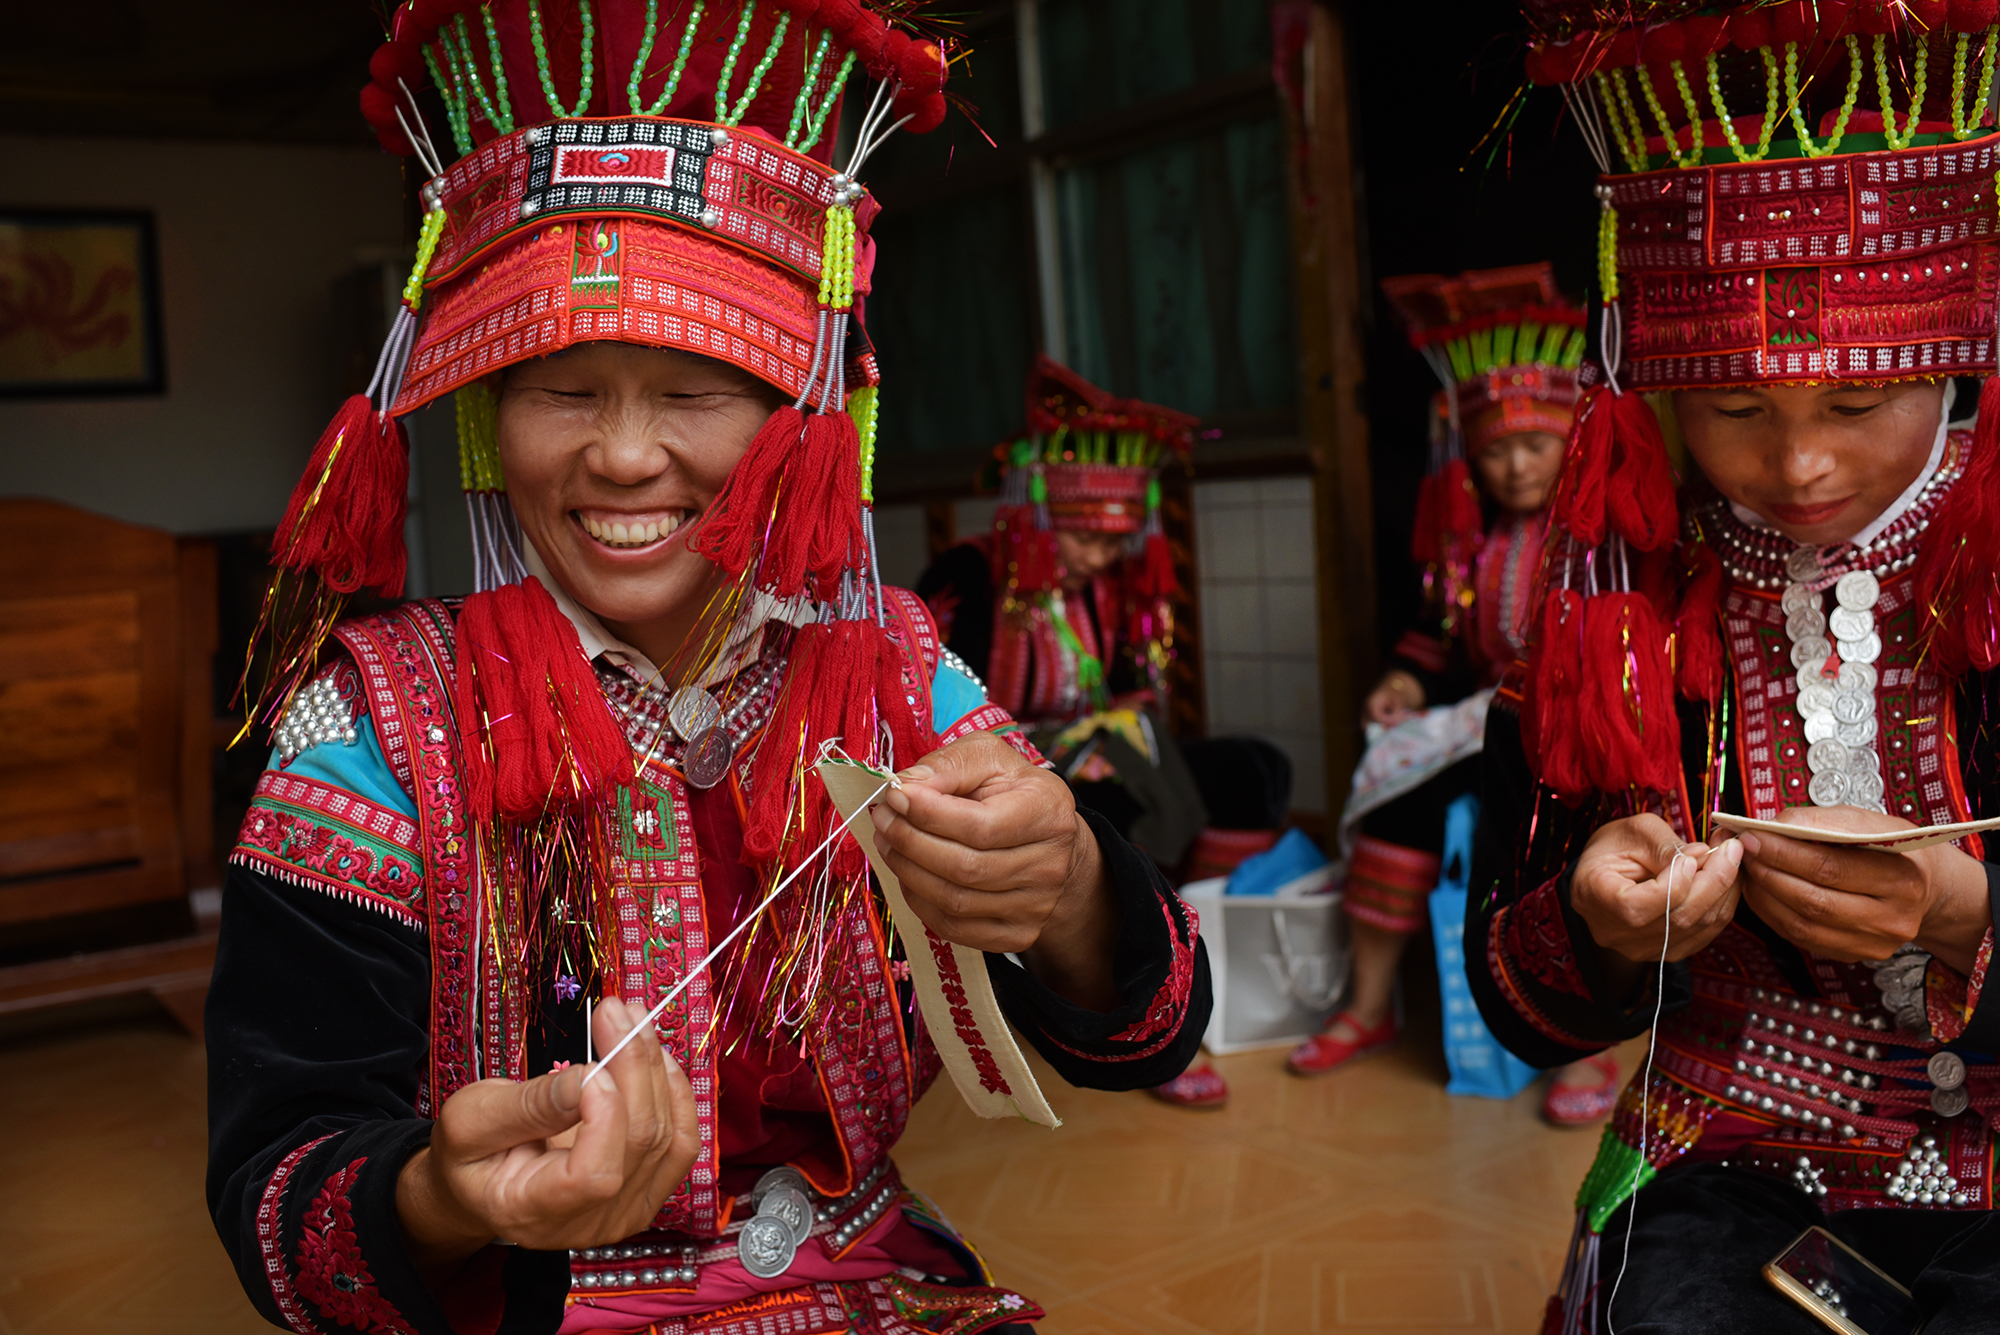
<point>107,638</point>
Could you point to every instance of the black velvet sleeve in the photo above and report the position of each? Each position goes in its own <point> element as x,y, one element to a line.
<point>316,1044</point>
<point>958,588</point>
<point>1532,963</point>
<point>1161,970</point>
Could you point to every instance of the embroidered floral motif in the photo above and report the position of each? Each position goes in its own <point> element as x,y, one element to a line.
<point>1502,943</point>
<point>313,834</point>
<point>332,1273</point>
<point>1535,937</point>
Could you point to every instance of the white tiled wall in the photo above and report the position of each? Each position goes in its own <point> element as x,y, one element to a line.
<point>1260,620</point>
<point>899,544</point>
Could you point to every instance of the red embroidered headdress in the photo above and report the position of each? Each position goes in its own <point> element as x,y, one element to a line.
<point>1792,193</point>
<point>1090,462</point>
<point>656,172</point>
<point>1508,351</point>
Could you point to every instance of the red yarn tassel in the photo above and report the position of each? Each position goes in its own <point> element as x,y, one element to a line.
<point>1696,636</point>
<point>1639,490</point>
<point>775,766</point>
<point>1426,545</point>
<point>1958,574</point>
<point>1463,524</point>
<point>1156,578</point>
<point>734,529</point>
<point>794,497</point>
<point>1029,561</point>
<point>537,736</point>
<point>345,520</point>
<point>1625,716</point>
<point>1580,501</point>
<point>1548,725</point>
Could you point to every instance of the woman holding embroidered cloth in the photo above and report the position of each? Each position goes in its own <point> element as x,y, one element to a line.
<point>497,832</point>
<point>1804,633</point>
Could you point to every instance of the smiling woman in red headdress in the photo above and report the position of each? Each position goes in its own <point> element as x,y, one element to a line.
<point>501,835</point>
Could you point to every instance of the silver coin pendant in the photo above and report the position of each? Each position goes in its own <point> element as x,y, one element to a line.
<point>1828,789</point>
<point>1859,677</point>
<point>692,712</point>
<point>1848,624</point>
<point>766,1247</point>
<point>1858,589</point>
<point>1861,651</point>
<point>707,758</point>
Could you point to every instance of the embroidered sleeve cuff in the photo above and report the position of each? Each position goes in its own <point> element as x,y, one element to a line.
<point>1546,965</point>
<point>1963,1010</point>
<point>333,1251</point>
<point>1162,977</point>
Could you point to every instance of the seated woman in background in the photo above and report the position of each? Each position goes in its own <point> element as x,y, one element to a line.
<point>1803,635</point>
<point>497,833</point>
<point>1066,610</point>
<point>1508,350</point>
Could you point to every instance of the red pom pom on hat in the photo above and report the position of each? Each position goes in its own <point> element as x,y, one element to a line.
<point>1562,60</point>
<point>432,14</point>
<point>1971,15</point>
<point>1929,15</point>
<point>926,116</point>
<point>1706,34</point>
<point>845,17</point>
<point>345,519</point>
<point>1870,17</point>
<point>1750,29</point>
<point>920,65</point>
<point>378,108</point>
<point>1793,22</point>
<point>1664,43</point>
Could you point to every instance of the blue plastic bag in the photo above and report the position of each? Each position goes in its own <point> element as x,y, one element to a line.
<point>1479,1064</point>
<point>1291,857</point>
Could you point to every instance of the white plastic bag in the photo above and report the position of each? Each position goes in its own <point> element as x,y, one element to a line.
<point>1279,961</point>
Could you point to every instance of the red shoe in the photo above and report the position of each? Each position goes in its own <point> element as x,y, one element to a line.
<point>1580,1105</point>
<point>1197,1087</point>
<point>1323,1052</point>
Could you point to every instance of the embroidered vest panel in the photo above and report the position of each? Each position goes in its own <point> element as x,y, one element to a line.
<point>871,1064</point>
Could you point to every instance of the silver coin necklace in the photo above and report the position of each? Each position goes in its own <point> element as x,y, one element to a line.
<point>1836,693</point>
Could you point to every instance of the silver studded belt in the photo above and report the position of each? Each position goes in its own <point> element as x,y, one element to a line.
<point>780,1215</point>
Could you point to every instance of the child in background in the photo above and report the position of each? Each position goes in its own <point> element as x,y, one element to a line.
<point>1509,353</point>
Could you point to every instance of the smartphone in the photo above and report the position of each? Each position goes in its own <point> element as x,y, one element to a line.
<point>1837,1284</point>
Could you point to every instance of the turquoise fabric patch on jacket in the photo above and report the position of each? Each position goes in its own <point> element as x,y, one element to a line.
<point>953,696</point>
<point>361,769</point>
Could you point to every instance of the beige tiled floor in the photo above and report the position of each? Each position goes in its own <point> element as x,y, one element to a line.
<point>1366,1201</point>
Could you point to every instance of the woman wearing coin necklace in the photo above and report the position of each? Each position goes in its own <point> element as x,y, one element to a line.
<point>1816,501</point>
<point>1799,630</point>
<point>554,992</point>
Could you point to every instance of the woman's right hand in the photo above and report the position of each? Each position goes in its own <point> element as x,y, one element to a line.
<point>501,1166</point>
<point>1398,696</point>
<point>1620,890</point>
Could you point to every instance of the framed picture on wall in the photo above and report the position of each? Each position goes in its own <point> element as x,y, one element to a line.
<point>79,304</point>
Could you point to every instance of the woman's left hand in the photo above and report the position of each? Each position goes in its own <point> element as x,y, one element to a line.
<point>1848,903</point>
<point>992,854</point>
